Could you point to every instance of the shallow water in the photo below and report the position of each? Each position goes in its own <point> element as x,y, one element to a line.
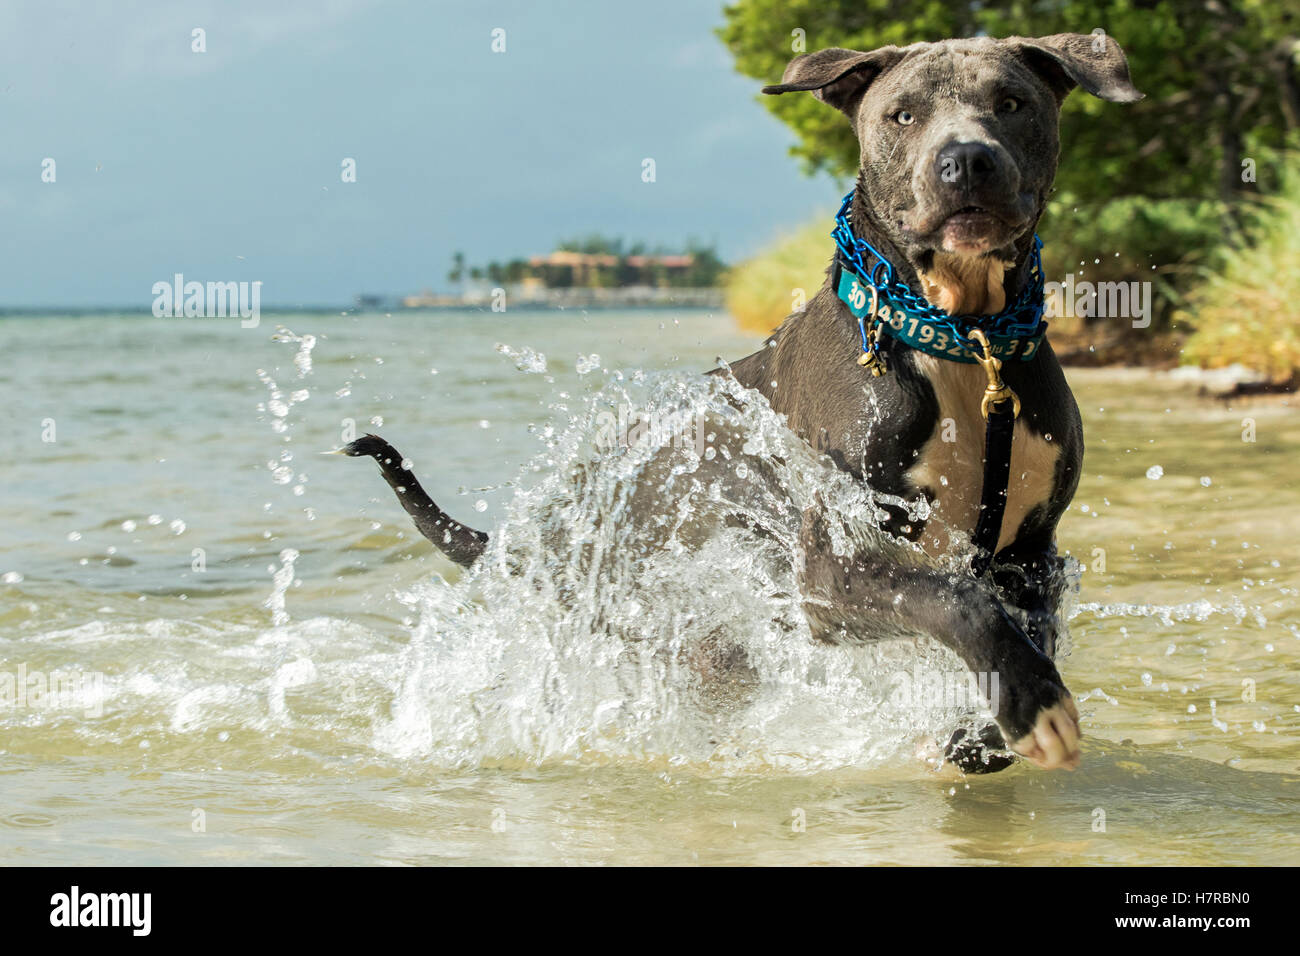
<point>326,689</point>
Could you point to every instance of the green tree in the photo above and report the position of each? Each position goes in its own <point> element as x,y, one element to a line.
<point>706,268</point>
<point>593,245</point>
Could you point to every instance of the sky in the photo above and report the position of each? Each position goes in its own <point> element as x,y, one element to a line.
<point>226,165</point>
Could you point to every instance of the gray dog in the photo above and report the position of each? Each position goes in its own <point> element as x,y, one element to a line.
<point>920,367</point>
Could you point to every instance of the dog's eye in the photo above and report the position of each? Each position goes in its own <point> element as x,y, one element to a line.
<point>904,118</point>
<point>1010,105</point>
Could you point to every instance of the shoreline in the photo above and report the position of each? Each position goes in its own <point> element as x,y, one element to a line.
<point>1156,355</point>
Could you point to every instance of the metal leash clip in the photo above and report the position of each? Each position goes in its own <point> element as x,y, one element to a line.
<point>870,358</point>
<point>997,391</point>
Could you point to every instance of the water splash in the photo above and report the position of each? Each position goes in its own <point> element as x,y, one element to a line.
<point>301,360</point>
<point>279,404</point>
<point>626,608</point>
<point>282,579</point>
<point>1196,611</point>
<point>525,359</point>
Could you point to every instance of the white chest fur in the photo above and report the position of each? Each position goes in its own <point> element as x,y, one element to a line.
<point>951,463</point>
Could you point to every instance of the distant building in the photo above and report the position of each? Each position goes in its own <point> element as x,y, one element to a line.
<point>602,270</point>
<point>597,274</point>
<point>427,299</point>
<point>667,262</point>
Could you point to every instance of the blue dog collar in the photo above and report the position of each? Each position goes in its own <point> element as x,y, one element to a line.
<point>865,282</point>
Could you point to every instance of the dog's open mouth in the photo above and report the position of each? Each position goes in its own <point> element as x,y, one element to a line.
<point>972,216</point>
<point>971,228</point>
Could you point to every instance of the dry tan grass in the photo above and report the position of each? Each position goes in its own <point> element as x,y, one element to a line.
<point>1248,310</point>
<point>760,292</point>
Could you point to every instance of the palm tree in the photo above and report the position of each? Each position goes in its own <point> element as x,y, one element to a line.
<point>457,272</point>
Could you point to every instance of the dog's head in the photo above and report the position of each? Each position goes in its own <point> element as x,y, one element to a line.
<point>959,139</point>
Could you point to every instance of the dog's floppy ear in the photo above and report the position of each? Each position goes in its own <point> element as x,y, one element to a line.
<point>836,76</point>
<point>1094,62</point>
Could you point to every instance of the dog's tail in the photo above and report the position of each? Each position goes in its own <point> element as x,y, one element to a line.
<point>463,545</point>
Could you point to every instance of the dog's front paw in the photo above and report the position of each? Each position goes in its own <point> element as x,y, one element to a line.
<point>1054,740</point>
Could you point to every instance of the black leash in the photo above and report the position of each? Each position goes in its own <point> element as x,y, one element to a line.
<point>1000,408</point>
<point>993,499</point>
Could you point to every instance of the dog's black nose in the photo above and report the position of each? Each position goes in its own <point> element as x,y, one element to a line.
<point>965,165</point>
